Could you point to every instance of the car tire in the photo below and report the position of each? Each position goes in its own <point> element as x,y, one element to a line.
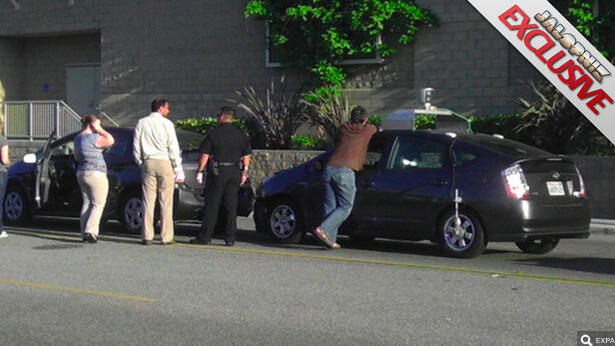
<point>537,246</point>
<point>283,221</point>
<point>131,212</point>
<point>15,207</point>
<point>466,242</point>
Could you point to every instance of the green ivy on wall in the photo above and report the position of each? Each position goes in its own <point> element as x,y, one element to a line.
<point>317,35</point>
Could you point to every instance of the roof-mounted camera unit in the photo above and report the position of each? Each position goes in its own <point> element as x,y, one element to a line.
<point>427,96</point>
<point>446,119</point>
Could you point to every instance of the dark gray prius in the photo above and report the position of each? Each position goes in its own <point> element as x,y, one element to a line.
<point>506,191</point>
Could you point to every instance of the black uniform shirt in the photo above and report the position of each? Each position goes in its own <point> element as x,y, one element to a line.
<point>226,143</point>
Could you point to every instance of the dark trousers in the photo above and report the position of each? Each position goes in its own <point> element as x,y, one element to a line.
<point>221,190</point>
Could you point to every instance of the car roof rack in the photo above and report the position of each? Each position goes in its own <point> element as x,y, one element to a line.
<point>446,120</point>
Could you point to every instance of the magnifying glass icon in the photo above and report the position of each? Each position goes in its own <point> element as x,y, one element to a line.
<point>586,340</point>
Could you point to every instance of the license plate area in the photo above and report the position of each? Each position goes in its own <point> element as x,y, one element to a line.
<point>555,188</point>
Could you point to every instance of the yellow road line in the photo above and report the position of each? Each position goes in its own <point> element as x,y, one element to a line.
<point>75,290</point>
<point>365,261</point>
<point>50,235</point>
<point>412,265</point>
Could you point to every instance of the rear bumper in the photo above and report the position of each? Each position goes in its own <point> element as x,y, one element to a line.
<point>523,220</point>
<point>188,204</point>
<point>545,233</point>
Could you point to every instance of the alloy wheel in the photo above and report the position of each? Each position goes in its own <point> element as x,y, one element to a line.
<point>13,205</point>
<point>283,221</point>
<point>459,234</point>
<point>133,213</point>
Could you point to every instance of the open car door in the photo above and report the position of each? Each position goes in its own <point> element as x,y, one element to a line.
<point>42,176</point>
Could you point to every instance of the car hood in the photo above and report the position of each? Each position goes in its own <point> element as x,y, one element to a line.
<point>21,167</point>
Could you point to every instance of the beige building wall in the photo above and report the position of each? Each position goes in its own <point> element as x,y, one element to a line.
<point>197,54</point>
<point>12,68</point>
<point>46,60</point>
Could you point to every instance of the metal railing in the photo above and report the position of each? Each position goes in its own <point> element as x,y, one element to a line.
<point>37,119</point>
<point>104,115</point>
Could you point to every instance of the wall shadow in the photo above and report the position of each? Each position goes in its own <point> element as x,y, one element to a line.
<point>598,265</point>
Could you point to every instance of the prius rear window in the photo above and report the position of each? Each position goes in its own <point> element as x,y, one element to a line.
<point>507,146</point>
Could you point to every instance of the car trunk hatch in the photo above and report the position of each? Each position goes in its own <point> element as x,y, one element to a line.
<point>553,180</point>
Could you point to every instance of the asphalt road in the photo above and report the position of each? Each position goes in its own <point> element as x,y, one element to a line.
<point>55,289</point>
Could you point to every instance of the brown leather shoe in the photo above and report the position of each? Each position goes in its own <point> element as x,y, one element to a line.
<point>146,242</point>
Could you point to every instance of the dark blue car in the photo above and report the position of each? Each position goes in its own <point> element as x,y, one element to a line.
<point>460,190</point>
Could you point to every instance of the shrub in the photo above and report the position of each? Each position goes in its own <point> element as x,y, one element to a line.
<point>204,124</point>
<point>551,122</point>
<point>375,119</point>
<point>425,122</point>
<point>308,143</point>
<point>278,113</point>
<point>327,110</point>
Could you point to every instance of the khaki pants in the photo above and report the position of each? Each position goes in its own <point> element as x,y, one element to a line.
<point>94,188</point>
<point>158,179</point>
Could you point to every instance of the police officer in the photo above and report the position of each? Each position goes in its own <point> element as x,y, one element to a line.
<point>228,147</point>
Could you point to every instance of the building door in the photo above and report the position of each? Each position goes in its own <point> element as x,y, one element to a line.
<point>83,88</point>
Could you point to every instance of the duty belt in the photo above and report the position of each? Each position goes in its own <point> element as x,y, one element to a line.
<point>222,163</point>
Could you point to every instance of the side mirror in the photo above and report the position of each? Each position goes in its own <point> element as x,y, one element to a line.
<point>29,158</point>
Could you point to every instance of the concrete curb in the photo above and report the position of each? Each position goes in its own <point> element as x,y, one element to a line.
<point>602,226</point>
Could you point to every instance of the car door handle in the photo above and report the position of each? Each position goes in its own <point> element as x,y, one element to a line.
<point>439,182</point>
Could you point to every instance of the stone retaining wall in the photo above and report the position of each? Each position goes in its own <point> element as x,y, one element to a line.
<point>596,171</point>
<point>266,162</point>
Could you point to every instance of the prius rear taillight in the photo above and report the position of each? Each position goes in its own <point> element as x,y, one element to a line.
<point>581,192</point>
<point>515,183</point>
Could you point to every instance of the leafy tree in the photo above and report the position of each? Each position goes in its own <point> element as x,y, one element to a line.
<point>595,27</point>
<point>552,122</point>
<point>317,35</point>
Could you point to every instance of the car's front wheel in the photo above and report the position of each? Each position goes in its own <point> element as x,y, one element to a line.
<point>131,212</point>
<point>461,237</point>
<point>15,206</point>
<point>537,246</point>
<point>284,221</point>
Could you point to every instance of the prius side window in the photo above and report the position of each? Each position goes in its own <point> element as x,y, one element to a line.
<point>461,157</point>
<point>411,153</point>
<point>67,148</point>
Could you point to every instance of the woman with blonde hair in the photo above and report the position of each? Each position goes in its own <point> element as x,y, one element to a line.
<point>92,174</point>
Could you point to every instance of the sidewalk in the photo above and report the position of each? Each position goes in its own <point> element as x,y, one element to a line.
<point>602,226</point>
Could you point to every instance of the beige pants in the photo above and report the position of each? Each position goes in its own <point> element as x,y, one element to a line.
<point>94,188</point>
<point>158,179</point>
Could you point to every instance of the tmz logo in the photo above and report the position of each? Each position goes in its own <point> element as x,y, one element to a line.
<point>541,41</point>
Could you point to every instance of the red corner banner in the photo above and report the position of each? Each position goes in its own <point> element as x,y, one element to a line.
<point>574,66</point>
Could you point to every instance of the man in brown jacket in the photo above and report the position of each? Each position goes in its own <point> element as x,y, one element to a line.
<point>339,178</point>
